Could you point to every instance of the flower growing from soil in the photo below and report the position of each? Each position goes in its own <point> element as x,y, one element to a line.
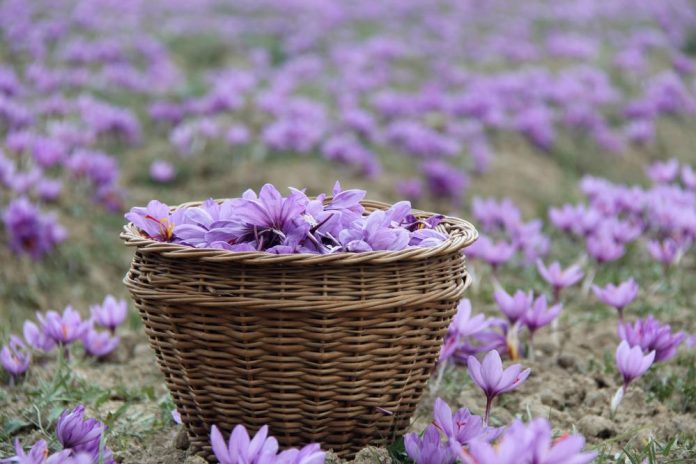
<point>539,315</point>
<point>76,432</point>
<point>29,230</point>
<point>15,358</point>
<point>461,427</point>
<point>531,443</point>
<point>37,337</point>
<point>632,364</point>
<point>463,325</point>
<point>617,296</point>
<point>111,313</point>
<point>162,171</point>
<point>99,344</point>
<point>494,253</point>
<point>651,335</point>
<point>38,454</point>
<point>63,328</point>
<point>666,252</point>
<point>513,306</point>
<point>559,278</point>
<point>241,449</point>
<point>428,449</point>
<point>493,380</point>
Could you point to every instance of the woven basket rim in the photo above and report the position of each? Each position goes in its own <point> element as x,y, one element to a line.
<point>460,232</point>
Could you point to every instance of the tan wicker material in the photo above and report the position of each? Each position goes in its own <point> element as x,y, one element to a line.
<point>319,347</point>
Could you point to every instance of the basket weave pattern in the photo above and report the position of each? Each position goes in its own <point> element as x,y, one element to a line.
<point>319,347</point>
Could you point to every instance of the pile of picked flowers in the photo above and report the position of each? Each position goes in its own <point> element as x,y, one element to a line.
<point>294,224</point>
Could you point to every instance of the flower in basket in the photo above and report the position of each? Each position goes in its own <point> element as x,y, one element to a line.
<point>273,223</point>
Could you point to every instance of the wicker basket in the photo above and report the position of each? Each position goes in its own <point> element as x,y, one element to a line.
<point>334,349</point>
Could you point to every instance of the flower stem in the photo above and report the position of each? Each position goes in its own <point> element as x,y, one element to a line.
<point>489,403</point>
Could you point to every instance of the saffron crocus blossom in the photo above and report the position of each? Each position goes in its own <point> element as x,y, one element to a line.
<point>493,253</point>
<point>176,417</point>
<point>532,443</point>
<point>663,172</point>
<point>463,325</point>
<point>461,427</point>
<point>540,315</point>
<point>38,454</point>
<point>162,171</point>
<point>558,277</point>
<point>241,449</point>
<point>651,335</point>
<point>156,220</point>
<point>310,454</point>
<point>82,435</point>
<point>604,248</point>
<point>537,316</point>
<point>513,306</point>
<point>632,364</point>
<point>29,230</point>
<point>111,313</point>
<point>666,252</point>
<point>99,344</point>
<point>429,449</point>
<point>272,223</point>
<point>617,296</point>
<point>492,379</point>
<point>63,328</point>
<point>73,430</point>
<point>14,357</point>
<point>37,338</point>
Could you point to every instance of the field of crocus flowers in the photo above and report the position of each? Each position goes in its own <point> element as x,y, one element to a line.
<point>564,131</point>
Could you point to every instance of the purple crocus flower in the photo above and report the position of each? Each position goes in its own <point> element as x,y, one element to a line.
<point>539,315</point>
<point>309,454</point>
<point>617,296</point>
<point>110,314</point>
<point>14,357</point>
<point>156,220</point>
<point>666,252</point>
<point>29,230</point>
<point>176,417</point>
<point>461,427</point>
<point>492,379</point>
<point>37,338</point>
<point>512,448</point>
<point>688,177</point>
<point>271,219</point>
<point>429,449</point>
<point>38,455</point>
<point>99,344</point>
<point>663,172</point>
<point>411,189</point>
<point>240,449</point>
<point>559,278</point>
<point>532,443</point>
<point>651,335</point>
<point>78,433</point>
<point>375,232</point>
<point>604,248</point>
<point>566,217</point>
<point>463,325</point>
<point>162,171</point>
<point>49,189</point>
<point>513,306</point>
<point>493,253</point>
<point>632,364</point>
<point>65,328</point>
